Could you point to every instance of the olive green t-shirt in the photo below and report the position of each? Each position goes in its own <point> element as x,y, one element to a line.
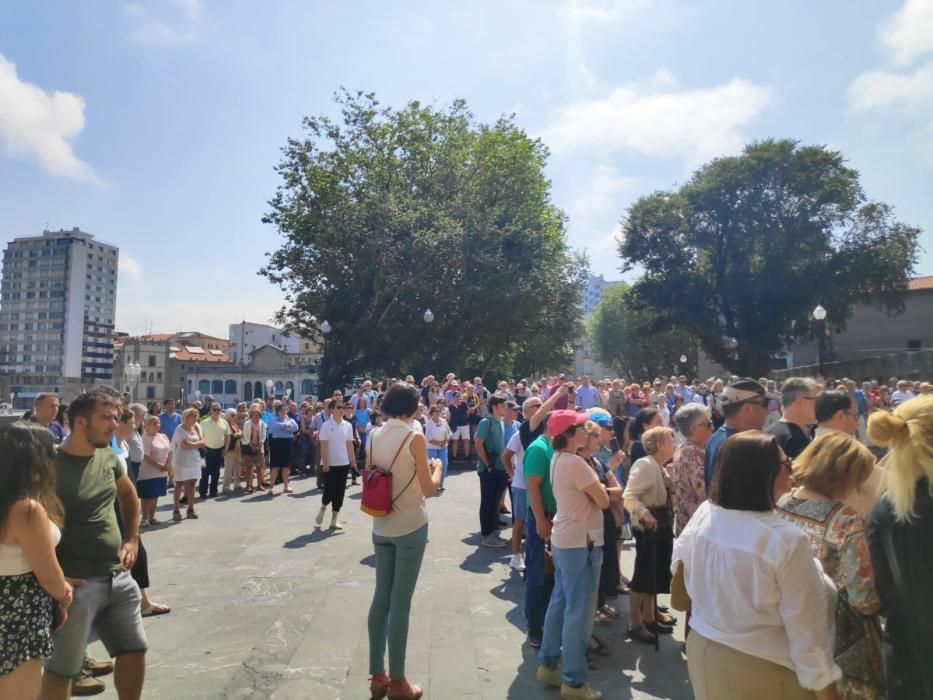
<point>87,487</point>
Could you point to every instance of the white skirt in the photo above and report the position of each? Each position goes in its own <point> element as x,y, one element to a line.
<point>189,471</point>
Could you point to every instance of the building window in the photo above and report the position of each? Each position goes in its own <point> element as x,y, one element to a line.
<point>914,344</point>
<point>248,391</point>
<point>152,360</point>
<point>230,387</point>
<point>150,392</point>
<point>204,386</point>
<point>279,389</point>
<point>290,389</point>
<point>307,386</point>
<point>217,386</point>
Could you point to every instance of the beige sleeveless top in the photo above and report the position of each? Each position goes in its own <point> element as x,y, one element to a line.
<point>409,512</point>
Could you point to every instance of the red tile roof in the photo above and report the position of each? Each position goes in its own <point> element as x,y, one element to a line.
<point>920,283</point>
<point>186,356</point>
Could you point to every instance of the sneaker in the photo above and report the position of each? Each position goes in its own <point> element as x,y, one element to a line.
<point>493,541</point>
<point>334,525</point>
<point>97,668</point>
<point>86,684</point>
<point>517,562</point>
<point>534,638</point>
<point>319,518</point>
<point>551,676</point>
<point>584,692</point>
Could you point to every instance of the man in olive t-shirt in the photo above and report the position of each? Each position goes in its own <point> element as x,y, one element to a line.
<point>94,557</point>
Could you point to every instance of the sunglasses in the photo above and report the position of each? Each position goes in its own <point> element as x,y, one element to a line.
<point>215,410</point>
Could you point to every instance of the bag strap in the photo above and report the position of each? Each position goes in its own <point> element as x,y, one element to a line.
<point>887,539</point>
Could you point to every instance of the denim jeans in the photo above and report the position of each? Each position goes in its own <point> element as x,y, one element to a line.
<point>491,483</point>
<point>538,585</point>
<point>570,612</point>
<point>441,454</point>
<point>210,473</point>
<point>398,562</point>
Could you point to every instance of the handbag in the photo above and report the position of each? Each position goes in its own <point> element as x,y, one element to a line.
<point>377,498</point>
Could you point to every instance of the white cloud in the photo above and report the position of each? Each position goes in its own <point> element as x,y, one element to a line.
<point>882,89</point>
<point>909,33</point>
<point>606,184</point>
<point>581,11</point>
<point>694,125</point>
<point>130,269</point>
<point>36,123</point>
<point>179,25</point>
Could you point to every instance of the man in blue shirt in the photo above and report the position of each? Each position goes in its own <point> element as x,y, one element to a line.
<point>44,412</point>
<point>168,419</point>
<point>587,395</point>
<point>490,444</point>
<point>745,407</point>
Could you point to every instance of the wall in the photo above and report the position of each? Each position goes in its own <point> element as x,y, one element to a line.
<point>904,365</point>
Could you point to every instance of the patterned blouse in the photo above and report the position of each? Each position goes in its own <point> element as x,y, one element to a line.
<point>837,538</point>
<point>689,484</point>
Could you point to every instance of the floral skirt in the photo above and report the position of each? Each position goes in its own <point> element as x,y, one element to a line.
<point>26,613</point>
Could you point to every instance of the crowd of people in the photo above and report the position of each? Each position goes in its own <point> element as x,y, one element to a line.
<point>792,524</point>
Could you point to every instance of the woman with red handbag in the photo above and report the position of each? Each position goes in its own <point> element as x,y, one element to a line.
<point>399,452</point>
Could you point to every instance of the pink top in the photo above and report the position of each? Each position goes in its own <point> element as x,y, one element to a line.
<point>158,447</point>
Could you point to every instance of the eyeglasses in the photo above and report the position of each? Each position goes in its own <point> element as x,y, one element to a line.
<point>215,410</point>
<point>705,424</point>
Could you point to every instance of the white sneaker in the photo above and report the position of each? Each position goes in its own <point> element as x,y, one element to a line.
<point>334,525</point>
<point>319,518</point>
<point>517,562</point>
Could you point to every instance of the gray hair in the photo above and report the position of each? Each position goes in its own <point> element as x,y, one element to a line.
<point>688,416</point>
<point>794,387</point>
<point>138,409</point>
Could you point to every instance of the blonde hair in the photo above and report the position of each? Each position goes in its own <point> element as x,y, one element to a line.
<point>833,464</point>
<point>908,432</point>
<point>189,412</point>
<point>652,440</point>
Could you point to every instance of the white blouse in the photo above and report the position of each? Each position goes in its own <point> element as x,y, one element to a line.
<point>755,587</point>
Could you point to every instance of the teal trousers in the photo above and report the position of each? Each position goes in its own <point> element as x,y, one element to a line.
<point>398,563</point>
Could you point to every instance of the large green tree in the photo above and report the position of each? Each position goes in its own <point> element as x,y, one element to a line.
<point>751,244</point>
<point>385,213</point>
<point>632,340</point>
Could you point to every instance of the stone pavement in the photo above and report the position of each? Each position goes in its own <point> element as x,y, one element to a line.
<point>266,606</point>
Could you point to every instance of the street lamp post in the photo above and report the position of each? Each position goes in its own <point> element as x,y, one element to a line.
<point>132,370</point>
<point>269,386</point>
<point>325,369</point>
<point>428,319</point>
<point>819,315</point>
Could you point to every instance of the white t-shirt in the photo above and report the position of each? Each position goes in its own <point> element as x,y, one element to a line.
<point>577,515</point>
<point>337,436</point>
<point>433,431</point>
<point>899,397</point>
<point>515,445</point>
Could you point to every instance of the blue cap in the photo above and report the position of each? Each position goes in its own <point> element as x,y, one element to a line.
<point>601,418</point>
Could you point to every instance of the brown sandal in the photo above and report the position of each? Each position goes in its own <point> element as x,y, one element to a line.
<point>191,515</point>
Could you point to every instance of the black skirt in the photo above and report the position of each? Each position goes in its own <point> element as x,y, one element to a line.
<point>25,621</point>
<point>280,453</point>
<point>652,562</point>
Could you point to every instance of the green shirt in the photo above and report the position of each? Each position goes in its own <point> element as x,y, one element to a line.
<point>537,462</point>
<point>490,432</point>
<point>91,541</point>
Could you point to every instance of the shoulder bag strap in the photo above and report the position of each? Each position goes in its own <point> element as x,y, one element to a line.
<point>414,471</point>
<point>887,539</point>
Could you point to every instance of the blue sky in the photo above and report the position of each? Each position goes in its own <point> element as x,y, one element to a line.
<point>155,124</point>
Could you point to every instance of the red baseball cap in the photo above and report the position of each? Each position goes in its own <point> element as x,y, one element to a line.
<point>559,421</point>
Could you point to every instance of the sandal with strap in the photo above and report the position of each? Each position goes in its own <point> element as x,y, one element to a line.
<point>176,516</point>
<point>378,686</point>
<point>641,635</point>
<point>403,690</point>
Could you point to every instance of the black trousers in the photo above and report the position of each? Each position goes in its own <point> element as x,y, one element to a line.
<point>609,574</point>
<point>335,486</point>
<point>211,471</point>
<point>491,483</point>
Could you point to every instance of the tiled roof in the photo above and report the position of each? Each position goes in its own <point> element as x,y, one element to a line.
<point>186,355</point>
<point>920,283</point>
<point>157,337</point>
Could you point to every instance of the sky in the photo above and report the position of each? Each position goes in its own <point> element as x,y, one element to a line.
<point>156,124</point>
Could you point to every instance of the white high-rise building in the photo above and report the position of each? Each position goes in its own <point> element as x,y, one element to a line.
<point>57,302</point>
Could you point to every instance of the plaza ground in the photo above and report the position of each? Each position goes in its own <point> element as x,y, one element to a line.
<point>264,605</point>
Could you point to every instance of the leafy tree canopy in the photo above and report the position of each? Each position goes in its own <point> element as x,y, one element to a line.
<point>752,243</point>
<point>627,337</point>
<point>386,213</point>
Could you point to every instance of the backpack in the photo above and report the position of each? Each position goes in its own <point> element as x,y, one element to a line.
<point>377,498</point>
